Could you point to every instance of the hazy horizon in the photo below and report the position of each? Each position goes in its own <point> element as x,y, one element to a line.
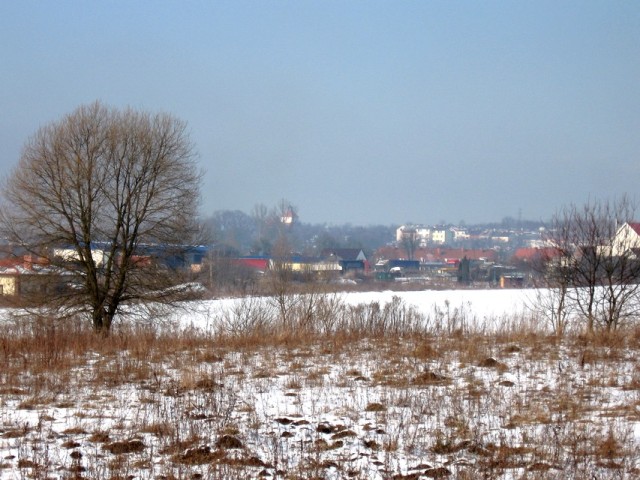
<point>368,113</point>
<point>508,219</point>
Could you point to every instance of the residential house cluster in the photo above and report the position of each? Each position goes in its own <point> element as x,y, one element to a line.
<point>338,261</point>
<point>23,275</point>
<point>424,236</point>
<point>456,254</point>
<point>442,256</point>
<point>443,264</point>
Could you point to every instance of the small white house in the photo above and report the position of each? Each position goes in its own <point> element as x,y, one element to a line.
<point>627,239</point>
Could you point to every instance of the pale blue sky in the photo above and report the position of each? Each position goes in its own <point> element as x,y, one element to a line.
<point>355,111</point>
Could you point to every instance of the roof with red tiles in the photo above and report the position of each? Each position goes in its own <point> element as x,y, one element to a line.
<point>635,226</point>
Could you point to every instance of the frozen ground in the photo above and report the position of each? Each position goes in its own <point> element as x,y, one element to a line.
<point>492,405</point>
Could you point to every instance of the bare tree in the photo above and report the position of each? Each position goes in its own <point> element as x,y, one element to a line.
<point>594,270</point>
<point>260,215</point>
<point>553,279</point>
<point>121,183</point>
<point>280,278</point>
<point>410,241</point>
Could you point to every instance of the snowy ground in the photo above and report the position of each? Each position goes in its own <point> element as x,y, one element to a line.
<point>481,309</point>
<point>491,405</point>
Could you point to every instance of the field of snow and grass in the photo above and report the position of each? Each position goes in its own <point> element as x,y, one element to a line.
<point>433,384</point>
<point>481,310</point>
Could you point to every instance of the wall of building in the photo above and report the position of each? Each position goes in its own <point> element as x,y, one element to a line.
<point>8,285</point>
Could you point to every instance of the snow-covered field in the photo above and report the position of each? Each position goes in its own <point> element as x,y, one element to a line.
<point>482,309</point>
<point>508,402</point>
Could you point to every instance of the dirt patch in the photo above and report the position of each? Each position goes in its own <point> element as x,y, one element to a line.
<point>198,456</point>
<point>229,442</point>
<point>376,407</point>
<point>128,446</point>
<point>429,377</point>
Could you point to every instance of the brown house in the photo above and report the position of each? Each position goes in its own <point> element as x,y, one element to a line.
<point>30,277</point>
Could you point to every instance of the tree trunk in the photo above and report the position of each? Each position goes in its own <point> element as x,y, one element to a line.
<point>102,321</point>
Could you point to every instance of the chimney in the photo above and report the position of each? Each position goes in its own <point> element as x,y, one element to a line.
<point>28,262</point>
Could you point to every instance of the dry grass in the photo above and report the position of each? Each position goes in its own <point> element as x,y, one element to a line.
<point>372,397</point>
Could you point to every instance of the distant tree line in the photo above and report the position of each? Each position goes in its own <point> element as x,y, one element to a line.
<point>234,233</point>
